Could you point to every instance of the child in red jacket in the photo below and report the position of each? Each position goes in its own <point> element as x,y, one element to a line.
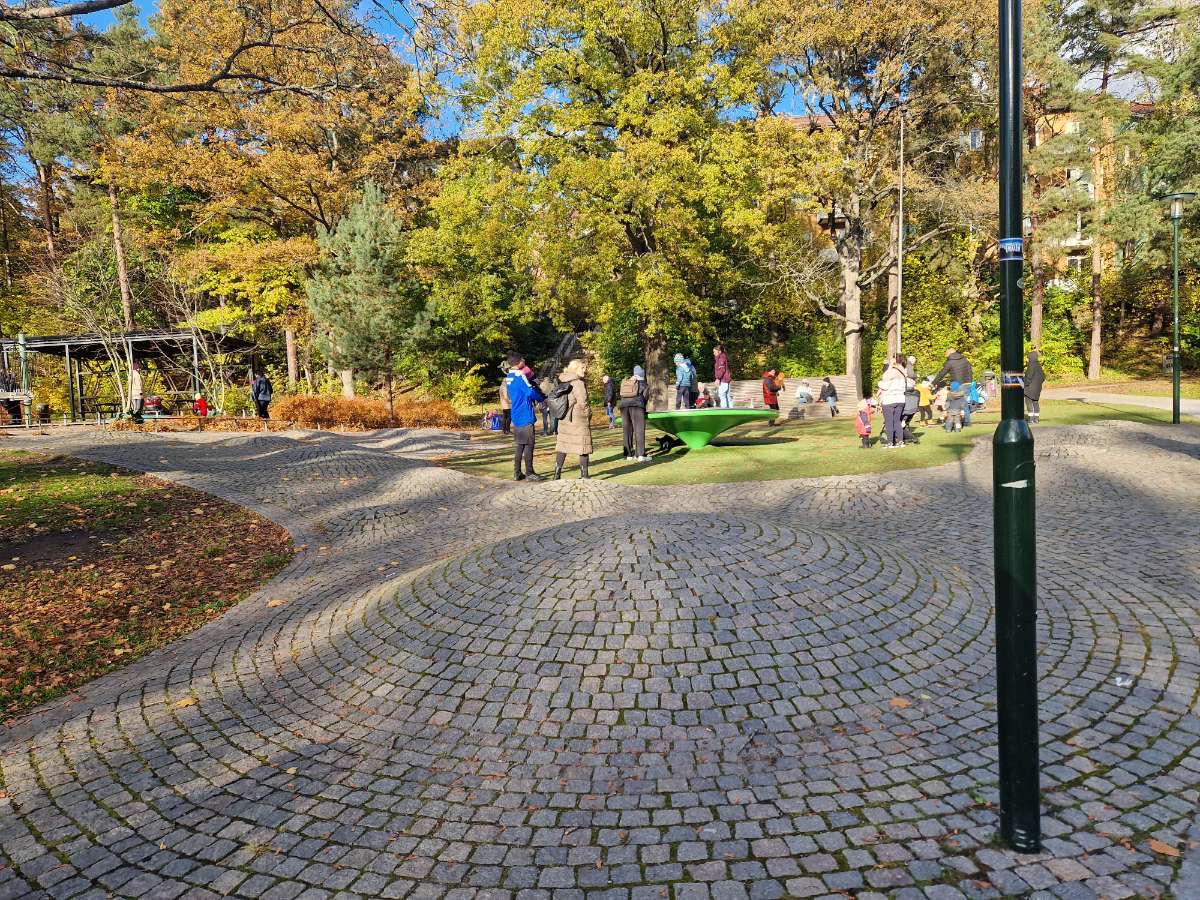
<point>862,422</point>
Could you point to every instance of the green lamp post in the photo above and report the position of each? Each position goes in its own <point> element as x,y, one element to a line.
<point>1177,200</point>
<point>1013,487</point>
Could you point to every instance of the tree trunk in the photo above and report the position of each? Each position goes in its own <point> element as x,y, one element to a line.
<point>119,253</point>
<point>849,254</point>
<point>1099,195</point>
<point>1094,355</point>
<point>387,384</point>
<point>46,190</point>
<point>293,361</point>
<point>655,349</point>
<point>1038,294</point>
<point>7,261</point>
<point>347,382</point>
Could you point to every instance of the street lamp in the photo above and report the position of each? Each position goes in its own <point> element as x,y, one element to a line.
<point>1177,201</point>
<point>1013,487</point>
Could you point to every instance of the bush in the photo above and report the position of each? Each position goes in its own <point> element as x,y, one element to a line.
<point>357,413</point>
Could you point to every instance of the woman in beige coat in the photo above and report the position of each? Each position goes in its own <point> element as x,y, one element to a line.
<point>575,431</point>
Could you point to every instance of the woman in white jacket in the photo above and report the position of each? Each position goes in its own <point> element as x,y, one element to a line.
<point>890,396</point>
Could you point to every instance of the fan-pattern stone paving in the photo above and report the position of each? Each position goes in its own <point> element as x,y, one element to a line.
<point>476,689</point>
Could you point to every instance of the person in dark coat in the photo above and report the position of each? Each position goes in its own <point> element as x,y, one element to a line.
<point>722,376</point>
<point>957,368</point>
<point>261,393</point>
<point>770,389</point>
<point>610,400</point>
<point>1035,378</point>
<point>829,396</point>
<point>634,396</point>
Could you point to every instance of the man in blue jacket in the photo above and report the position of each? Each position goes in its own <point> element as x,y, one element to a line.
<point>523,396</point>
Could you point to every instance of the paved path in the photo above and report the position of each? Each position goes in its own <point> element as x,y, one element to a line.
<point>483,689</point>
<point>1186,407</point>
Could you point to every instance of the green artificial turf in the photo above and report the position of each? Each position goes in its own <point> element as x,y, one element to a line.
<point>812,449</point>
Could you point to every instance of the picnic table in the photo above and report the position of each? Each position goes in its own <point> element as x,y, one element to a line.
<point>697,427</point>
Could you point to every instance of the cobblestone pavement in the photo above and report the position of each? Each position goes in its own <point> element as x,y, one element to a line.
<point>777,689</point>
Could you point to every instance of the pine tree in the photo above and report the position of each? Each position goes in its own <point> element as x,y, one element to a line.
<point>363,291</point>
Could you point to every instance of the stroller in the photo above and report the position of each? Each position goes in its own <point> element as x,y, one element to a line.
<point>912,401</point>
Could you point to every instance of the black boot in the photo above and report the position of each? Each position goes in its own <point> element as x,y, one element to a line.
<point>583,467</point>
<point>559,459</point>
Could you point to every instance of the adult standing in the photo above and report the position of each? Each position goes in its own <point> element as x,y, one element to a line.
<point>261,393</point>
<point>1035,378</point>
<point>957,368</point>
<point>137,392</point>
<point>575,428</point>
<point>722,376</point>
<point>634,396</point>
<point>522,395</point>
<point>892,387</point>
<point>610,400</point>
<point>683,389</point>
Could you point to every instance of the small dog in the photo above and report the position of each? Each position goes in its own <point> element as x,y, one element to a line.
<point>667,443</point>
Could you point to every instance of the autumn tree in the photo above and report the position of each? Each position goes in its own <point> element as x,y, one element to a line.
<point>861,66</point>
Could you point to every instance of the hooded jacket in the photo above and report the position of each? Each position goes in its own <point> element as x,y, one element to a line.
<point>1035,377</point>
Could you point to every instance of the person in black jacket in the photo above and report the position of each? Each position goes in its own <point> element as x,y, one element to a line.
<point>1035,377</point>
<point>610,400</point>
<point>957,368</point>
<point>633,396</point>
<point>829,396</point>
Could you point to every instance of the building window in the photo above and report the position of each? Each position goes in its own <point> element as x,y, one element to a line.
<point>1076,262</point>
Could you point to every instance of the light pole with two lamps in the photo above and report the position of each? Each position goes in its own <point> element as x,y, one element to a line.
<point>1177,200</point>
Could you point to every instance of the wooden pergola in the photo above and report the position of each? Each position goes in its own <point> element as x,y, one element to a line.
<point>177,354</point>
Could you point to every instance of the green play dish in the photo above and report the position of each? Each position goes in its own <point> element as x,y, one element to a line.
<point>697,427</point>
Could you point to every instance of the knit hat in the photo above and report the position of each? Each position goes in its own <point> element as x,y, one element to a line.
<point>639,373</point>
<point>955,385</point>
<point>678,358</point>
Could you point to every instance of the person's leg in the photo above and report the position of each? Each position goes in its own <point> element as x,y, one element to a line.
<point>627,431</point>
<point>723,395</point>
<point>559,459</point>
<point>966,414</point>
<point>612,419</point>
<point>639,431</point>
<point>518,455</point>
<point>895,430</point>
<point>866,442</point>
<point>506,420</point>
<point>1037,410</point>
<point>529,454</point>
<point>679,394</point>
<point>583,466</point>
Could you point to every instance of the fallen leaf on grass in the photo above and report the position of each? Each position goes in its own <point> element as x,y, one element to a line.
<point>1163,848</point>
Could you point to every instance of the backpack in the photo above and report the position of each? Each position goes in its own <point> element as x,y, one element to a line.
<point>912,400</point>
<point>558,399</point>
<point>629,388</point>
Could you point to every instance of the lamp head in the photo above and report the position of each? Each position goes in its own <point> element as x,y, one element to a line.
<point>1177,201</point>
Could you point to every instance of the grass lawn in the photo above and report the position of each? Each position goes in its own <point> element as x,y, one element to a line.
<point>1189,388</point>
<point>99,565</point>
<point>760,453</point>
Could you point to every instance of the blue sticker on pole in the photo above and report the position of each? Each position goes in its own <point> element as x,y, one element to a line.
<point>1012,249</point>
<point>1012,379</point>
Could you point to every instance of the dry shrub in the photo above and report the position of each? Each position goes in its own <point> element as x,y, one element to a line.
<point>359,413</point>
<point>193,423</point>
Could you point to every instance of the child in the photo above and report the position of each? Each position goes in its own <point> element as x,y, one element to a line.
<point>925,402</point>
<point>956,405</point>
<point>862,423</point>
<point>200,406</point>
<point>939,403</point>
<point>705,400</point>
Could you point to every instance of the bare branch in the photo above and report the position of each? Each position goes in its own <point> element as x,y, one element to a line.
<point>40,13</point>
